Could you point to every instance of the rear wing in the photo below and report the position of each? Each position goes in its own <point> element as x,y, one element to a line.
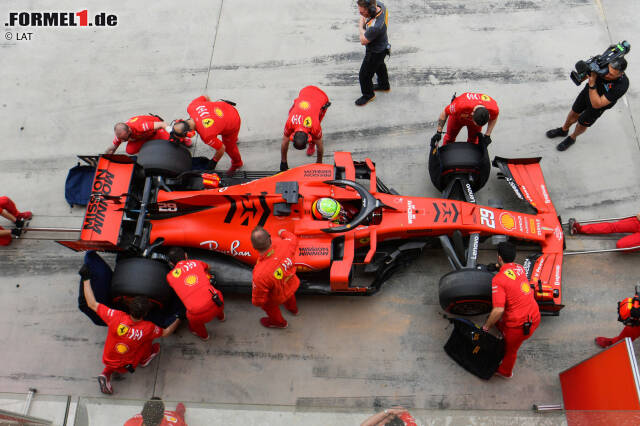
<point>105,211</point>
<point>544,270</point>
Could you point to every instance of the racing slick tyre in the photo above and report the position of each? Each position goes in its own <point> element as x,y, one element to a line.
<point>138,276</point>
<point>164,158</point>
<point>459,158</point>
<point>466,292</point>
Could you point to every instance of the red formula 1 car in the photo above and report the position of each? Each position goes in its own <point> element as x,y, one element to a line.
<point>139,209</point>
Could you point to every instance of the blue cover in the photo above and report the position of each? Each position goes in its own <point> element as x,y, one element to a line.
<point>77,188</point>
<point>100,283</point>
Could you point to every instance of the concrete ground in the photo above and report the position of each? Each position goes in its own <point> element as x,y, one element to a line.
<point>63,90</point>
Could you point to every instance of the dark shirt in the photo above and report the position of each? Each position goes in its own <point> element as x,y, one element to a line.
<point>612,90</point>
<point>376,31</point>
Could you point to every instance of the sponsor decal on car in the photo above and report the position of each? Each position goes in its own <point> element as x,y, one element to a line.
<point>514,186</point>
<point>410,215</point>
<point>313,251</point>
<point>558,233</point>
<point>472,198</point>
<point>547,200</point>
<point>507,221</point>
<point>233,251</point>
<point>318,173</point>
<point>557,276</point>
<point>95,217</point>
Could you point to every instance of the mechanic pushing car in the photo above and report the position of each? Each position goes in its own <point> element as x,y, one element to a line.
<point>629,315</point>
<point>9,211</point>
<point>129,338</point>
<point>210,119</point>
<point>472,110</point>
<point>627,225</point>
<point>274,276</point>
<point>515,311</point>
<point>138,130</point>
<point>191,281</point>
<point>598,95</point>
<point>303,124</point>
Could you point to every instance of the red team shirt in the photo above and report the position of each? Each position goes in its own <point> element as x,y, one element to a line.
<point>213,119</point>
<point>142,130</point>
<point>462,107</point>
<point>125,337</point>
<point>511,290</point>
<point>274,276</point>
<point>190,280</point>
<point>306,113</point>
<point>171,418</point>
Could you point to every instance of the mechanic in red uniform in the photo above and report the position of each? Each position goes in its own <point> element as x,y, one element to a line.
<point>274,276</point>
<point>473,110</point>
<point>129,338</point>
<point>629,315</point>
<point>396,416</point>
<point>190,280</point>
<point>303,124</point>
<point>138,130</point>
<point>515,311</point>
<point>9,211</point>
<point>211,119</point>
<point>154,414</point>
<point>627,225</point>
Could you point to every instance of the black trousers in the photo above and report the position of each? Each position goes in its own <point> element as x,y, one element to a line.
<point>373,63</point>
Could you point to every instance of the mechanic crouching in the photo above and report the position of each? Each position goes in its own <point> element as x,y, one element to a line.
<point>129,337</point>
<point>9,211</point>
<point>192,283</point>
<point>274,276</point>
<point>470,110</point>
<point>515,310</point>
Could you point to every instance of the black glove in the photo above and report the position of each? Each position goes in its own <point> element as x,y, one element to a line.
<point>211,165</point>
<point>216,298</point>
<point>492,267</point>
<point>284,166</point>
<point>435,139</point>
<point>486,140</point>
<point>212,279</point>
<point>16,232</point>
<point>85,272</point>
<point>19,223</point>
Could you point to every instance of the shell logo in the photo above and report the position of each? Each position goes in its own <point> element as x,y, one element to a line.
<point>191,280</point>
<point>218,112</point>
<point>507,221</point>
<point>304,105</point>
<point>121,348</point>
<point>485,98</point>
<point>525,287</point>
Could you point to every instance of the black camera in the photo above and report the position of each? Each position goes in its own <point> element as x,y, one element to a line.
<point>599,63</point>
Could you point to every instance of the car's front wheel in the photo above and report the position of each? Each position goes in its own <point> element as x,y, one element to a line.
<point>466,292</point>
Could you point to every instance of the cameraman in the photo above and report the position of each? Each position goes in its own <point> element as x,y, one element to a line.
<point>600,94</point>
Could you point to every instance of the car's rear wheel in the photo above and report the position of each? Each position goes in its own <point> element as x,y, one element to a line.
<point>138,276</point>
<point>164,158</point>
<point>466,292</point>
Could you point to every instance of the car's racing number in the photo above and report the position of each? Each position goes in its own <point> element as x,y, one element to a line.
<point>167,207</point>
<point>487,218</point>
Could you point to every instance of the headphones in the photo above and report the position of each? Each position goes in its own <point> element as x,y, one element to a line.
<point>172,132</point>
<point>372,8</point>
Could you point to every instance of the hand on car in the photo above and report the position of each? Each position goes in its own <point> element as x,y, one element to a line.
<point>435,139</point>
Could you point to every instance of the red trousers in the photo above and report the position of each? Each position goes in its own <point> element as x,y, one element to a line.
<point>513,339</point>
<point>143,353</point>
<point>133,147</point>
<point>628,225</point>
<point>627,331</point>
<point>197,321</point>
<point>273,310</point>
<point>9,206</point>
<point>454,125</point>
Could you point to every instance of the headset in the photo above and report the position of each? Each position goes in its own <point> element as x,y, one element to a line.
<point>372,8</point>
<point>172,132</point>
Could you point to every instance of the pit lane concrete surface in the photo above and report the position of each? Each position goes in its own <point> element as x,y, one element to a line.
<point>63,90</point>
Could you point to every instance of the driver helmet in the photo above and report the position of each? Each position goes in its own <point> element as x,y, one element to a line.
<point>326,209</point>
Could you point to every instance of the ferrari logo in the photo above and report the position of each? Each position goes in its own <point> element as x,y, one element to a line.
<point>304,105</point>
<point>122,330</point>
<point>133,119</point>
<point>509,273</point>
<point>207,122</point>
<point>525,287</point>
<point>307,122</point>
<point>278,274</point>
<point>485,98</point>
<point>218,112</point>
<point>191,280</point>
<point>176,272</point>
<point>121,348</point>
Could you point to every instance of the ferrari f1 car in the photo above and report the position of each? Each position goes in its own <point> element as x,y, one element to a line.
<point>140,208</point>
